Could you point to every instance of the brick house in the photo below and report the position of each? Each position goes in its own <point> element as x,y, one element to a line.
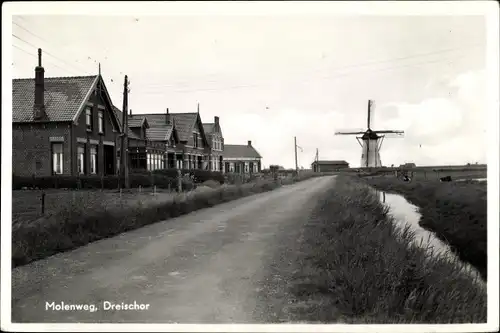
<point>327,166</point>
<point>241,159</point>
<point>216,139</point>
<point>187,145</point>
<point>63,126</point>
<point>151,144</point>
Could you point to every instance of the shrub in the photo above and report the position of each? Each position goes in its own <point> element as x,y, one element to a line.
<point>199,176</point>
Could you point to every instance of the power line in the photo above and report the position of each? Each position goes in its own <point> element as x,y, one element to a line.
<point>156,92</point>
<point>357,65</point>
<point>34,55</point>
<point>112,80</point>
<point>50,54</point>
<point>320,78</point>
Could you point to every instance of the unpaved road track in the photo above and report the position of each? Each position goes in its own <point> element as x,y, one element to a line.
<point>225,264</point>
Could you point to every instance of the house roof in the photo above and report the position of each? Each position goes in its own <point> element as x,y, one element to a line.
<point>240,151</point>
<point>209,128</point>
<point>331,162</point>
<point>137,121</point>
<point>64,97</point>
<point>184,122</point>
<point>159,133</point>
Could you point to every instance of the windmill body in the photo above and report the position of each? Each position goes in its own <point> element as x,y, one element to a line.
<point>371,142</point>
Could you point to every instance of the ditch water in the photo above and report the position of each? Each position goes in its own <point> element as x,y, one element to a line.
<point>407,215</point>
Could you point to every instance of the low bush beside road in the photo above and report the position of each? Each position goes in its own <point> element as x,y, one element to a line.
<point>353,265</point>
<point>455,211</point>
<point>76,224</point>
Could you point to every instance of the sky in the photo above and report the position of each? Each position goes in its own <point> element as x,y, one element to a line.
<point>273,78</point>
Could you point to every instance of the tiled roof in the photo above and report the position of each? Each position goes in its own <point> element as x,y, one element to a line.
<point>208,128</point>
<point>331,162</point>
<point>159,133</point>
<point>137,121</point>
<point>119,116</point>
<point>64,96</point>
<point>184,122</point>
<point>240,151</point>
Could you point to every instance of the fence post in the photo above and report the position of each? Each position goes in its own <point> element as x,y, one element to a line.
<point>140,189</point>
<point>43,202</point>
<point>120,192</point>
<point>154,189</point>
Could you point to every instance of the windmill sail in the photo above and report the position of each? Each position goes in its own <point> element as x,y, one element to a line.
<point>371,140</point>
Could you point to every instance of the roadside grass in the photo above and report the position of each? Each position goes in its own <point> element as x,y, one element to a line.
<point>90,218</point>
<point>27,205</point>
<point>455,211</point>
<point>354,266</point>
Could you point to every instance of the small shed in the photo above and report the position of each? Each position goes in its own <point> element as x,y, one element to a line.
<point>327,166</point>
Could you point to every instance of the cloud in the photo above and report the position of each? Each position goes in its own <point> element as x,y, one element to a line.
<point>442,130</point>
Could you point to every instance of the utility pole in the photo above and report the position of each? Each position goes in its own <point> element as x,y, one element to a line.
<point>124,167</point>
<point>368,141</point>
<point>296,161</point>
<point>317,160</point>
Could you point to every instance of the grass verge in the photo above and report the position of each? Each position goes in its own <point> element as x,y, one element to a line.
<point>354,266</point>
<point>455,211</point>
<point>76,225</point>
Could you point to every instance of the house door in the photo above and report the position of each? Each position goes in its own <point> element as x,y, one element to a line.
<point>109,160</point>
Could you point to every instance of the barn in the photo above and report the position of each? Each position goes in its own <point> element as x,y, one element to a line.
<point>327,166</point>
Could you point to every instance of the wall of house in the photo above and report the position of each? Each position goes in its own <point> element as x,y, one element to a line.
<point>330,167</point>
<point>97,103</point>
<point>190,141</point>
<point>242,165</point>
<point>31,148</point>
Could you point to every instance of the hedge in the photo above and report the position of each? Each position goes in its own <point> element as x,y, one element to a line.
<point>97,182</point>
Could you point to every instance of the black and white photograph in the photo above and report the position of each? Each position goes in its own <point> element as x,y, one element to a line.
<point>281,166</point>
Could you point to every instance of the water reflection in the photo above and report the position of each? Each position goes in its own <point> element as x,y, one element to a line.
<point>407,215</point>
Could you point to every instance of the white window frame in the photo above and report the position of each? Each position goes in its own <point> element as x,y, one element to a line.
<point>93,160</point>
<point>100,121</point>
<point>81,160</point>
<point>88,118</point>
<point>58,159</point>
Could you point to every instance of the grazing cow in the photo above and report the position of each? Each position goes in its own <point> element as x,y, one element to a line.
<point>445,179</point>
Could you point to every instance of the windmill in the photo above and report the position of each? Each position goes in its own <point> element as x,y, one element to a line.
<point>371,142</point>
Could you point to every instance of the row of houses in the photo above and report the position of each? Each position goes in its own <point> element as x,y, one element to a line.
<point>70,126</point>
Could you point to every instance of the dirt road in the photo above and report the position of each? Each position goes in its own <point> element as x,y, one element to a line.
<point>224,264</point>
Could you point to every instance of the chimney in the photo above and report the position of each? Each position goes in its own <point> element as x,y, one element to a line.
<point>249,143</point>
<point>216,120</point>
<point>39,106</point>
<point>168,118</point>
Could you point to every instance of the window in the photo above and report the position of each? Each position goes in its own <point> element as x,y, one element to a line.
<point>195,139</point>
<point>100,122</point>
<point>148,157</point>
<point>88,117</point>
<point>57,158</point>
<point>81,160</point>
<point>93,160</point>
